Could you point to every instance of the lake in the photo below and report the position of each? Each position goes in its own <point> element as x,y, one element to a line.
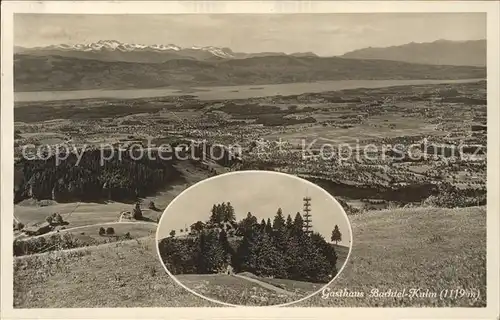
<point>226,92</point>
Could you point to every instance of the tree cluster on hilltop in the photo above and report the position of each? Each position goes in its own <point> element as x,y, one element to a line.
<point>449,196</point>
<point>122,177</point>
<point>279,248</point>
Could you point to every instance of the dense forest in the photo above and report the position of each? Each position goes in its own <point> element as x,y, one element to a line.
<point>278,248</point>
<point>122,177</point>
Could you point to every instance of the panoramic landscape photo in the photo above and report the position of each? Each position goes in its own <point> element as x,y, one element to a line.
<point>283,233</point>
<point>116,115</point>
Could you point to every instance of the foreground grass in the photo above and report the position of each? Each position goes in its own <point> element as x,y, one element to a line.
<point>301,288</point>
<point>233,290</point>
<point>342,253</point>
<point>123,274</point>
<point>423,248</point>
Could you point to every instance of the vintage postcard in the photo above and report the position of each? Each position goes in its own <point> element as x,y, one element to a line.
<point>250,159</point>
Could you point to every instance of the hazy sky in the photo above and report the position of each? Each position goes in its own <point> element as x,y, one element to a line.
<point>261,193</point>
<point>324,34</point>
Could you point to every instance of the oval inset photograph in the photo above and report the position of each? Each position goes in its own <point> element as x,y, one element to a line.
<point>254,238</point>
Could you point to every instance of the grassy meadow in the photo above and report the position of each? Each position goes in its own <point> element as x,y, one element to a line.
<point>77,215</point>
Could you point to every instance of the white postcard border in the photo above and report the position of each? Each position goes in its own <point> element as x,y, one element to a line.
<point>492,9</point>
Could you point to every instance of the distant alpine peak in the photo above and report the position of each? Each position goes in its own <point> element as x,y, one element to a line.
<point>115,45</point>
<point>216,51</point>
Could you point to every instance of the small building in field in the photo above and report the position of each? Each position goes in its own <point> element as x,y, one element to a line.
<point>38,229</point>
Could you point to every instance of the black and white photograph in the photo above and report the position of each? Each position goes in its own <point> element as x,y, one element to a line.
<point>254,238</point>
<point>291,154</point>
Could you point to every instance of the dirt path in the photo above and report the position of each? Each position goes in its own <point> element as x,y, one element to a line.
<point>265,285</point>
<point>82,227</point>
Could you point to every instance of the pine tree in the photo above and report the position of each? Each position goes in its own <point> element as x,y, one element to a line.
<point>200,255</point>
<point>222,212</point>
<point>224,242</point>
<point>293,258</point>
<point>243,259</point>
<point>213,253</point>
<point>269,260</point>
<point>298,225</point>
<point>336,235</point>
<point>269,227</point>
<point>315,266</point>
<point>189,252</point>
<point>262,225</point>
<point>279,221</point>
<point>137,213</point>
<point>214,215</point>
<point>289,223</point>
<point>247,225</point>
<point>328,251</point>
<point>229,216</point>
<point>280,230</point>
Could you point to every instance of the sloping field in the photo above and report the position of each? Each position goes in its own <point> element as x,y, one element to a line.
<point>126,274</point>
<point>342,253</point>
<point>89,235</point>
<point>423,248</point>
<point>77,214</point>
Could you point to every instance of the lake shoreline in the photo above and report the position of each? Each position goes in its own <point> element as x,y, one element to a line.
<point>226,92</point>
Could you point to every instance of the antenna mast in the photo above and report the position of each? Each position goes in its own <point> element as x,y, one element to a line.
<point>307,215</point>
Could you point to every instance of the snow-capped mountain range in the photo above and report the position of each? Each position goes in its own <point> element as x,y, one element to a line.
<point>116,50</point>
<point>114,45</point>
